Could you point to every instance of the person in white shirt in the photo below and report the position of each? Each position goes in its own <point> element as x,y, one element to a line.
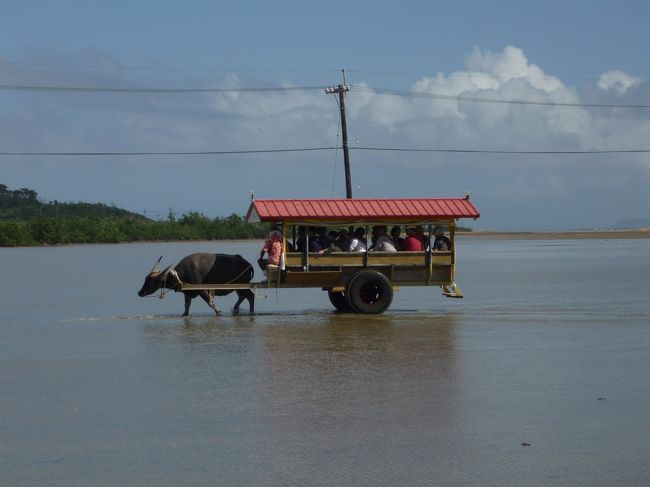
<point>381,242</point>
<point>358,242</point>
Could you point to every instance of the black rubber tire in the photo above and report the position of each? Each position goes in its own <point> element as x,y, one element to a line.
<point>339,301</point>
<point>369,292</point>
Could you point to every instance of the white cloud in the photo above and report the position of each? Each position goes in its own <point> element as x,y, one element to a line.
<point>510,64</point>
<point>617,81</point>
<point>507,75</point>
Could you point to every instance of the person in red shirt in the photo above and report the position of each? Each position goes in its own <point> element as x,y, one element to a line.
<point>413,241</point>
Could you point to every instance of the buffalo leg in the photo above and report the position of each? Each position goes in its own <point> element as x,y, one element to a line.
<point>208,299</point>
<point>241,298</point>
<point>188,301</point>
<point>245,294</point>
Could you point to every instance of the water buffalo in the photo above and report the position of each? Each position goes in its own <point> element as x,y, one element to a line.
<point>203,268</point>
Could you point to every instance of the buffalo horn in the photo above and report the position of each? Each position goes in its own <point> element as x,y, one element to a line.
<point>155,266</point>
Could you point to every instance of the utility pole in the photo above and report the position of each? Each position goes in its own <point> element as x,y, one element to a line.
<point>341,90</point>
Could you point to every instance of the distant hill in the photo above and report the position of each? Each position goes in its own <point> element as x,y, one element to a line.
<point>23,204</point>
<point>25,220</point>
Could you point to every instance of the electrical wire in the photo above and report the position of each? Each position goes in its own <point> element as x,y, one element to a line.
<point>469,75</point>
<point>180,153</point>
<point>282,70</point>
<point>314,149</point>
<point>166,68</point>
<point>418,94</point>
<point>488,151</point>
<point>90,89</point>
<point>379,91</point>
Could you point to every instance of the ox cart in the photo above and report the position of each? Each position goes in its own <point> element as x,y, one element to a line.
<point>361,282</point>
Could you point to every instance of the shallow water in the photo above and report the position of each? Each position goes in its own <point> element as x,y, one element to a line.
<point>550,348</point>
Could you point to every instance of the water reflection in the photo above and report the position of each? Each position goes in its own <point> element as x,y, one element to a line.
<point>351,384</point>
<point>336,383</point>
<point>315,331</point>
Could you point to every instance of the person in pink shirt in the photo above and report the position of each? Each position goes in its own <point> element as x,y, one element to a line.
<point>273,248</point>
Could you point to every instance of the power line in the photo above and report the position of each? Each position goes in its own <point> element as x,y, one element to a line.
<point>379,91</point>
<point>90,89</point>
<point>465,74</point>
<point>419,94</point>
<point>180,153</point>
<point>165,68</point>
<point>488,151</point>
<point>284,70</point>
<point>315,149</point>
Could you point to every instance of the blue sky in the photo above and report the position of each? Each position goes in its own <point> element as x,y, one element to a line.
<point>562,52</point>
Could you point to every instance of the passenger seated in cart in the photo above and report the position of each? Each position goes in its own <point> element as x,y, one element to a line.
<point>413,241</point>
<point>273,248</point>
<point>343,240</point>
<point>426,241</point>
<point>441,242</point>
<point>381,242</point>
<point>323,238</point>
<point>358,242</point>
<point>314,246</point>
<point>395,234</point>
<point>334,241</point>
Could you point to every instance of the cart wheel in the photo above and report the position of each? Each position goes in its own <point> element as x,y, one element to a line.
<point>339,301</point>
<point>369,292</point>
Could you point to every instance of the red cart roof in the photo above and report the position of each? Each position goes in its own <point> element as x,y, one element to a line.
<point>377,210</point>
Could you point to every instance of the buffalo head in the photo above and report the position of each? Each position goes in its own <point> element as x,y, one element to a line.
<point>155,280</point>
